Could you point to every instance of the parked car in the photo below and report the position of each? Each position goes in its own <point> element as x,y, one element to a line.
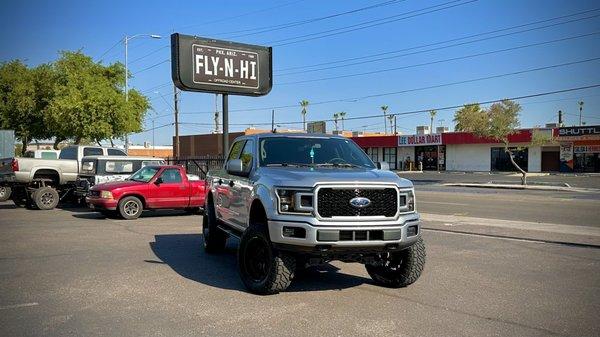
<point>296,200</point>
<point>43,182</point>
<point>152,187</point>
<point>102,169</point>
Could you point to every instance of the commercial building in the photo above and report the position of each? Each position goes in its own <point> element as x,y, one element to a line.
<point>573,149</point>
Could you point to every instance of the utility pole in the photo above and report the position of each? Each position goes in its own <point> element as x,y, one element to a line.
<point>580,113</point>
<point>216,114</point>
<point>560,119</point>
<point>225,125</point>
<point>395,124</point>
<point>176,108</point>
<point>273,121</point>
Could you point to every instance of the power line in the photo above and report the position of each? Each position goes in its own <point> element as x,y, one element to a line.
<point>368,24</point>
<point>241,15</point>
<point>304,70</point>
<point>412,112</point>
<point>109,49</point>
<point>150,53</point>
<point>152,66</point>
<point>265,29</point>
<point>442,61</point>
<point>478,79</point>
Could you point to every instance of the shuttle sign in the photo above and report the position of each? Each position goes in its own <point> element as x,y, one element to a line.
<point>207,65</point>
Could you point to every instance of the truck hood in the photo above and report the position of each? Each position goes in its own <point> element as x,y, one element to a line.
<point>117,184</point>
<point>308,176</point>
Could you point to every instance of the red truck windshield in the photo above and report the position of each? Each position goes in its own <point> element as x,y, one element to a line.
<point>144,174</point>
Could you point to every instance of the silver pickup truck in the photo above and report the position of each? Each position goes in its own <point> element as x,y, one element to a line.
<point>296,200</point>
<point>40,182</point>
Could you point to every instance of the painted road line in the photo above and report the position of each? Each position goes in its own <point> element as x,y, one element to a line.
<point>522,225</point>
<point>442,203</point>
<point>22,305</point>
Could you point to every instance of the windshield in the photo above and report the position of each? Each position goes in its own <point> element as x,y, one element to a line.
<point>308,151</point>
<point>144,174</point>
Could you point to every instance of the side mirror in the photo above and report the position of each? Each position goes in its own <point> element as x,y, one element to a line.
<point>236,167</point>
<point>383,165</point>
<point>158,181</point>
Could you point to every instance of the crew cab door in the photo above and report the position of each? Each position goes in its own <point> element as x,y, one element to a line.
<point>241,187</point>
<point>223,197</point>
<point>169,189</point>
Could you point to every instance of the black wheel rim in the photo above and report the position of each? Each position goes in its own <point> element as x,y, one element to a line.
<point>392,262</point>
<point>2,191</point>
<point>206,225</point>
<point>257,257</point>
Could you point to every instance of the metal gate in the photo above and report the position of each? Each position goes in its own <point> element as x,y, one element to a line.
<point>198,165</point>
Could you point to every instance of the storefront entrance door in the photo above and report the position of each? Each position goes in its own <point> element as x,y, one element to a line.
<point>428,155</point>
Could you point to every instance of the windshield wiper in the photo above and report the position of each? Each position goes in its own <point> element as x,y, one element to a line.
<point>287,164</point>
<point>336,165</point>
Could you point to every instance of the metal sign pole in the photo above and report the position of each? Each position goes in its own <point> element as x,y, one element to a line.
<point>225,125</point>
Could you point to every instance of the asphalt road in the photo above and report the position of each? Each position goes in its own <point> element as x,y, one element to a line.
<point>73,273</point>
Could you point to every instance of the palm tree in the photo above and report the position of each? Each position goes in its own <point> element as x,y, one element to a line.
<point>391,118</point>
<point>343,116</point>
<point>384,108</point>
<point>336,116</point>
<point>432,114</point>
<point>304,104</point>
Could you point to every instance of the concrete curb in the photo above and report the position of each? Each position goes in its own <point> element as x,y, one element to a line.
<point>525,187</point>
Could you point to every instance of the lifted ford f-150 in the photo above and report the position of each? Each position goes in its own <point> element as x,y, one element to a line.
<point>297,200</point>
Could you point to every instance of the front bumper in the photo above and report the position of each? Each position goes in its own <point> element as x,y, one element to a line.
<point>99,203</point>
<point>346,237</point>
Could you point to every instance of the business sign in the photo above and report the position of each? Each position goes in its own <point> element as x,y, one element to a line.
<point>316,127</point>
<point>586,149</point>
<point>420,140</point>
<point>223,67</point>
<point>566,157</point>
<point>578,132</point>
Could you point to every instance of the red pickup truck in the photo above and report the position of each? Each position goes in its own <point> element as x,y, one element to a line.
<point>152,187</point>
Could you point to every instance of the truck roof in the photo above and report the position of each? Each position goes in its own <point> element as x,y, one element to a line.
<point>123,157</point>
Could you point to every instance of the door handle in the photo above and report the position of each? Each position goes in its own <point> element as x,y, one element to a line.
<point>231,183</point>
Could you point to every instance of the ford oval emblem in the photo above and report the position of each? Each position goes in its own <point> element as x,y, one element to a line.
<point>360,202</point>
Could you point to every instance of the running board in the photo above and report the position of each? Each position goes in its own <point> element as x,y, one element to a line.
<point>229,231</point>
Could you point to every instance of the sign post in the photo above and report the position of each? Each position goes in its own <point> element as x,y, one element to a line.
<point>221,67</point>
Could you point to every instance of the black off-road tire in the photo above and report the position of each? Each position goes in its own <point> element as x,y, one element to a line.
<point>266,273</point>
<point>404,269</point>
<point>130,208</point>
<point>45,198</point>
<point>5,192</point>
<point>214,238</point>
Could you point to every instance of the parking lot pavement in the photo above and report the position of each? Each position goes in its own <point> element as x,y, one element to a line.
<point>72,272</point>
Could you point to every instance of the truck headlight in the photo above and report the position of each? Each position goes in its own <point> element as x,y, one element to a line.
<point>106,195</point>
<point>410,201</point>
<point>295,201</point>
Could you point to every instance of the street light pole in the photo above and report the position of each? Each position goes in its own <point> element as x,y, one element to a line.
<point>126,41</point>
<point>580,113</point>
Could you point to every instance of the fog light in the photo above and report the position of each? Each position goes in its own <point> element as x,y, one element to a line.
<point>294,232</point>
<point>412,231</point>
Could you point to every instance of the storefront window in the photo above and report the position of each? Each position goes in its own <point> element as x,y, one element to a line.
<point>501,160</point>
<point>373,153</point>
<point>390,155</point>
<point>428,156</point>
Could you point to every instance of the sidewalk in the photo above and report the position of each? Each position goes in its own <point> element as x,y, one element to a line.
<point>546,232</point>
<point>526,187</point>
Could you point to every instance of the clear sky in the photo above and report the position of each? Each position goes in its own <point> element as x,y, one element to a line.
<point>36,30</point>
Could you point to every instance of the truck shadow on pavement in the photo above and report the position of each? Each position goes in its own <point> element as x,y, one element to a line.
<point>185,255</point>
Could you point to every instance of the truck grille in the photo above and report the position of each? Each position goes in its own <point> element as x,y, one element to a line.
<point>334,202</point>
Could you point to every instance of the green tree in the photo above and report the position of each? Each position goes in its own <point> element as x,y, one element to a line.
<point>497,122</point>
<point>89,101</point>
<point>384,108</point>
<point>304,104</point>
<point>24,96</point>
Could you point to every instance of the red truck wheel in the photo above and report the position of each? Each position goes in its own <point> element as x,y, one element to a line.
<point>130,208</point>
